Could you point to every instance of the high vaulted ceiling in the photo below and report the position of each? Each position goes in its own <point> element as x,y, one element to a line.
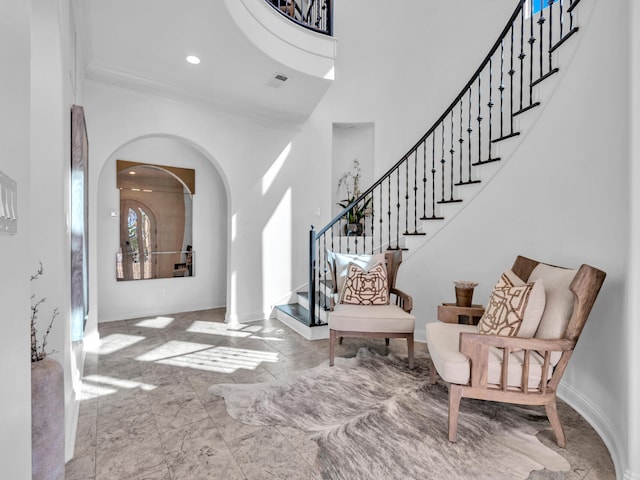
<point>143,44</point>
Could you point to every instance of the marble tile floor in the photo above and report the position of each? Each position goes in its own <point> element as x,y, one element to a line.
<point>146,414</point>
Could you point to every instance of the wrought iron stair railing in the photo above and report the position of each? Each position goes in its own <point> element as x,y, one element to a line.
<point>464,137</point>
<point>315,15</point>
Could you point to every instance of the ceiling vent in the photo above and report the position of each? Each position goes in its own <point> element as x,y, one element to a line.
<point>277,80</point>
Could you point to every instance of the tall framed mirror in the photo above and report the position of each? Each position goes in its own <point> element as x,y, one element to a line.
<point>156,221</point>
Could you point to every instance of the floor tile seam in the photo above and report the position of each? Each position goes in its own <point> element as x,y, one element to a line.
<point>295,449</point>
<point>215,426</point>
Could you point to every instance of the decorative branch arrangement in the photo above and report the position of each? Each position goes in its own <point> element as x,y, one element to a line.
<point>38,351</point>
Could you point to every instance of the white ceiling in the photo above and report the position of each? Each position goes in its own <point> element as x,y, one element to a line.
<point>142,44</point>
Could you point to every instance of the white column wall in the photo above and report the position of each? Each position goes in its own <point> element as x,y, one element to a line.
<point>15,355</point>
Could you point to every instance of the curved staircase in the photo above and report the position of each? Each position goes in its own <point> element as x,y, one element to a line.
<point>451,162</point>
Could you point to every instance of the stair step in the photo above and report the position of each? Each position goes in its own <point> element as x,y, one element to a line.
<point>295,317</point>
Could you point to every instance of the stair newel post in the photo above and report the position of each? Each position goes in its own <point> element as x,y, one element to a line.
<point>312,276</point>
<point>373,218</point>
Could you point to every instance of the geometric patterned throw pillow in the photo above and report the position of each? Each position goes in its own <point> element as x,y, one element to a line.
<point>506,307</point>
<point>363,287</point>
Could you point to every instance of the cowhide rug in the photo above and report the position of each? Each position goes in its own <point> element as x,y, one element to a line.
<point>373,418</point>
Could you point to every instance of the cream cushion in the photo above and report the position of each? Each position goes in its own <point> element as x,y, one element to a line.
<point>371,318</point>
<point>340,261</point>
<point>443,342</point>
<point>559,303</point>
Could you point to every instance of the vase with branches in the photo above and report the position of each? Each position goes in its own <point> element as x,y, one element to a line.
<point>38,351</point>
<point>350,183</point>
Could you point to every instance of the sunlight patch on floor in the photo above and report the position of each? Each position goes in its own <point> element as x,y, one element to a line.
<point>206,357</point>
<point>237,330</point>
<point>115,342</point>
<point>94,386</point>
<point>158,322</point>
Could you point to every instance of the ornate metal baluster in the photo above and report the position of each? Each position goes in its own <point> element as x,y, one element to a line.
<point>406,198</point>
<point>501,90</point>
<point>389,212</point>
<point>381,218</point>
<point>398,209</point>
<point>550,34</point>
<point>541,21</point>
<point>424,180</point>
<point>511,72</point>
<point>469,131</point>
<point>532,40</point>
<point>490,105</point>
<point>451,168</point>
<point>373,219</point>
<point>522,55</point>
<point>479,121</point>
<point>460,142</point>
<point>415,192</point>
<point>442,162</point>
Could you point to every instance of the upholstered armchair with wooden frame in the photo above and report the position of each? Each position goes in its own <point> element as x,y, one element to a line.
<point>393,320</point>
<point>512,369</point>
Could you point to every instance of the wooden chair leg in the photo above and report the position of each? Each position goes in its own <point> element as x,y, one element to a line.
<point>432,372</point>
<point>340,341</point>
<point>455,395</point>
<point>386,342</point>
<point>554,419</point>
<point>410,350</point>
<point>332,346</point>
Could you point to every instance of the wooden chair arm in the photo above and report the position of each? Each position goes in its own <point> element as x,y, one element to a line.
<point>403,300</point>
<point>476,347</point>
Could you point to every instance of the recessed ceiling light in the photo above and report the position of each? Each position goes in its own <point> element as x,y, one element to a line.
<point>192,59</point>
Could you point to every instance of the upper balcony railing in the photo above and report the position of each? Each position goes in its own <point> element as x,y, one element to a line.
<point>316,15</point>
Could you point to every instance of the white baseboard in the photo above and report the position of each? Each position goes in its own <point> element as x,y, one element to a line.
<point>116,315</point>
<point>602,426</point>
<point>629,475</point>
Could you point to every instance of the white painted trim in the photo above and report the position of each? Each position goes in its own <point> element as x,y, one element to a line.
<point>115,315</point>
<point>310,333</point>
<point>592,414</point>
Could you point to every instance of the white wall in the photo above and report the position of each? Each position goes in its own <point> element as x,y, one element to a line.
<point>565,202</point>
<point>247,153</point>
<point>15,363</point>
<point>632,332</point>
<point>54,88</point>
<point>207,289</point>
